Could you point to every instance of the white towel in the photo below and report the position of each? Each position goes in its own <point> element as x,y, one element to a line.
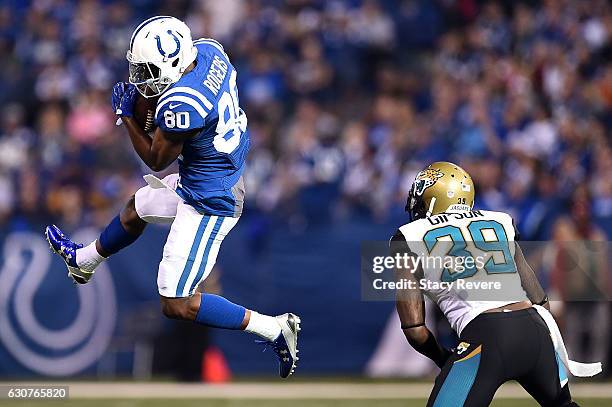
<point>155,182</point>
<point>575,368</point>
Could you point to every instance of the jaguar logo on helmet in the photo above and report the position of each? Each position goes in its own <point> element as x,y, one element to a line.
<point>426,179</point>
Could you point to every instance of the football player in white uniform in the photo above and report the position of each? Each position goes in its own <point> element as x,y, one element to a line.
<point>487,300</point>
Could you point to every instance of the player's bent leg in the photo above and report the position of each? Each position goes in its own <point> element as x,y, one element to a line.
<point>157,202</point>
<point>562,398</point>
<point>547,382</point>
<point>121,232</point>
<point>206,309</point>
<point>470,378</point>
<point>81,260</point>
<point>189,256</point>
<point>191,250</point>
<point>148,205</point>
<point>280,333</point>
<point>130,220</point>
<point>565,398</point>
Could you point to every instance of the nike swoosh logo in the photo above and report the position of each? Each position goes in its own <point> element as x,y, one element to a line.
<point>171,106</point>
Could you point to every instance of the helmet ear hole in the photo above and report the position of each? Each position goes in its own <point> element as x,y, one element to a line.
<point>175,63</point>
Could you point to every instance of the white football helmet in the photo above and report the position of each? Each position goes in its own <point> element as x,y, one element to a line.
<point>161,49</point>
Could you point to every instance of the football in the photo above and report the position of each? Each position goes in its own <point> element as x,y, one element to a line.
<point>144,112</point>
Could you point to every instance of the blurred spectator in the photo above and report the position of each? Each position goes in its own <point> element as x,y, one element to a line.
<point>346,100</point>
<point>581,279</point>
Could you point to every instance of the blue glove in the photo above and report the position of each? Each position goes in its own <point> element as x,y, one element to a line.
<point>123,98</point>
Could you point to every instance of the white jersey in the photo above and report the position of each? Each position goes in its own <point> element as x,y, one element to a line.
<point>464,288</point>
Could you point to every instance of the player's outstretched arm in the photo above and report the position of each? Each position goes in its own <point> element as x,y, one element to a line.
<point>410,307</point>
<point>529,281</point>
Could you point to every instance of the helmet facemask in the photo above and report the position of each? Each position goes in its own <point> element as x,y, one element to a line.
<point>415,206</point>
<point>161,50</point>
<point>146,76</point>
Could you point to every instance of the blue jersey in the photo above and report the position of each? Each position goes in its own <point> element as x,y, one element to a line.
<point>211,162</point>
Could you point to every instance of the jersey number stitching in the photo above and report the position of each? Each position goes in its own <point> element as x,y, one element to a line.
<point>459,247</point>
<point>231,128</point>
<point>179,120</point>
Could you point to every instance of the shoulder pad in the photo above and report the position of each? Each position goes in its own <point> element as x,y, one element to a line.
<point>202,42</point>
<point>182,108</point>
<point>398,244</point>
<point>508,222</point>
<point>517,234</point>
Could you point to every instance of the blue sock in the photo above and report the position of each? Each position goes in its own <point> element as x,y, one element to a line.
<point>218,312</point>
<point>115,237</point>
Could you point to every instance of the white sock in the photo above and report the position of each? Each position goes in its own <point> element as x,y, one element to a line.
<point>264,326</point>
<point>88,257</point>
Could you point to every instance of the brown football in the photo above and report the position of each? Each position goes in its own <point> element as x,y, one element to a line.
<point>144,112</point>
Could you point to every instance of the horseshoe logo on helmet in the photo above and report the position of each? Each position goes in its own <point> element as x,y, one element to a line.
<point>161,50</point>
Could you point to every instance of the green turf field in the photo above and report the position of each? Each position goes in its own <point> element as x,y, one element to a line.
<point>269,403</point>
<point>276,394</point>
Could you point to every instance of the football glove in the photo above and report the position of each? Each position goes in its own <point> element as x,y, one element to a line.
<point>123,98</point>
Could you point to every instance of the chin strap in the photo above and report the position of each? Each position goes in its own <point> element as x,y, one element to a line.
<point>432,203</point>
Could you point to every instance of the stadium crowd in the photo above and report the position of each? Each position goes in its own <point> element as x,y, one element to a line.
<point>346,101</point>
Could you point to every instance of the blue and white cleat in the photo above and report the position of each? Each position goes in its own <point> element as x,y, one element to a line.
<point>285,346</point>
<point>66,248</point>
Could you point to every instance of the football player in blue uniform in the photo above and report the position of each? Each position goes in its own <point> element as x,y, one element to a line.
<point>200,123</point>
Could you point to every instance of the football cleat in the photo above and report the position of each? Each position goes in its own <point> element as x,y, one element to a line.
<point>285,346</point>
<point>66,249</point>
